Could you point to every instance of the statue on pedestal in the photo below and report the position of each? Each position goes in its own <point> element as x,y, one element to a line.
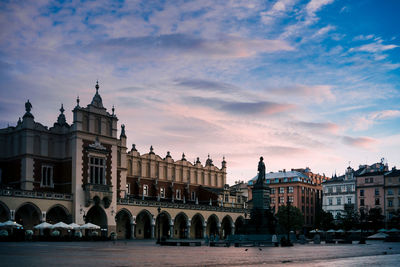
<point>261,171</point>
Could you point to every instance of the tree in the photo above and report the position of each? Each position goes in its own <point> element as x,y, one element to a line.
<point>292,220</point>
<point>325,221</point>
<point>350,217</point>
<point>375,218</point>
<point>394,221</point>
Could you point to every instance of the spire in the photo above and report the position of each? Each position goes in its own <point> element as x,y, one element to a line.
<point>97,101</point>
<point>209,161</point>
<point>61,118</point>
<point>122,131</point>
<point>223,162</point>
<point>133,147</point>
<point>28,108</point>
<point>113,110</point>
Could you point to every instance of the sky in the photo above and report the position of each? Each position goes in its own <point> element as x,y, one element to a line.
<point>310,83</point>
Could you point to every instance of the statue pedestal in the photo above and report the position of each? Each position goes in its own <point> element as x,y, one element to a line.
<point>261,196</point>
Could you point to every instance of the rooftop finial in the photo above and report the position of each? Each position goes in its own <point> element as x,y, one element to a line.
<point>113,109</point>
<point>183,156</point>
<point>123,131</point>
<point>151,150</point>
<point>77,101</point>
<point>62,109</point>
<point>28,108</point>
<point>97,86</point>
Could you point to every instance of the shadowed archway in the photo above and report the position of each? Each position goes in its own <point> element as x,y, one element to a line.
<point>28,215</point>
<point>143,225</point>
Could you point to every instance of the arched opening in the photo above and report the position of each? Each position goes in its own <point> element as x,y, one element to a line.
<point>58,214</point>
<point>28,215</point>
<point>239,226</point>
<point>4,212</point>
<point>226,226</point>
<point>196,229</point>
<point>212,226</point>
<point>162,225</point>
<point>143,225</point>
<point>97,215</point>
<point>123,220</point>
<point>180,226</point>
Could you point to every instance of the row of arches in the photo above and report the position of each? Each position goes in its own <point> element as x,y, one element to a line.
<point>29,215</point>
<point>147,226</point>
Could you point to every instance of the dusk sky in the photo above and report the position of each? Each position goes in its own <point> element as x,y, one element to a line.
<point>302,83</point>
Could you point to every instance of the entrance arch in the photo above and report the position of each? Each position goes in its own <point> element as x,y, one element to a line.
<point>226,226</point>
<point>4,212</point>
<point>162,225</point>
<point>97,215</point>
<point>180,226</point>
<point>58,213</point>
<point>143,225</point>
<point>196,229</point>
<point>239,226</point>
<point>212,226</point>
<point>28,215</point>
<point>123,220</point>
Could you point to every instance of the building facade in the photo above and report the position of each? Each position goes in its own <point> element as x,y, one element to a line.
<point>338,192</point>
<point>392,193</point>
<point>83,173</point>
<point>302,189</point>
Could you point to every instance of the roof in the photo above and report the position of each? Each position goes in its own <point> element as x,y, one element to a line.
<point>335,180</point>
<point>277,175</point>
<point>393,173</point>
<point>372,173</point>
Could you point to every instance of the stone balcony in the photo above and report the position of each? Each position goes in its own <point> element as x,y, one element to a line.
<point>98,194</point>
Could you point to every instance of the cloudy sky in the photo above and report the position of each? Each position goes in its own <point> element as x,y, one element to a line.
<point>304,83</point>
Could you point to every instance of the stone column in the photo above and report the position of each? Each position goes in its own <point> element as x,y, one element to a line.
<point>232,229</point>
<point>204,230</point>
<point>188,228</point>
<point>153,224</point>
<point>171,229</point>
<point>132,230</point>
<point>219,230</point>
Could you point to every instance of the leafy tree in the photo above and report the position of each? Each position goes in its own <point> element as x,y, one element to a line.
<point>325,221</point>
<point>375,218</point>
<point>394,221</point>
<point>292,220</point>
<point>350,218</point>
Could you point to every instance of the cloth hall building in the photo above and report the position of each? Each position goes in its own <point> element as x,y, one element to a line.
<point>82,172</point>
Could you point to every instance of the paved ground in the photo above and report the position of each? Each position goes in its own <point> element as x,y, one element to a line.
<point>145,253</point>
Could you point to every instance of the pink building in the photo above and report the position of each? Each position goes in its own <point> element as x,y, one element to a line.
<point>370,190</point>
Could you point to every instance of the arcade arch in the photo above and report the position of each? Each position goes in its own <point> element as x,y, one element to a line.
<point>4,212</point>
<point>197,226</point>
<point>58,213</point>
<point>239,224</point>
<point>97,215</point>
<point>163,225</point>
<point>124,221</point>
<point>28,215</point>
<point>226,226</point>
<point>143,225</point>
<point>212,225</point>
<point>181,226</point>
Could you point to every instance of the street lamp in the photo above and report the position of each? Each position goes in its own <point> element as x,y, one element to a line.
<point>159,230</point>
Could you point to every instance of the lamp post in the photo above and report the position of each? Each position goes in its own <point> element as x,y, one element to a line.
<point>159,230</point>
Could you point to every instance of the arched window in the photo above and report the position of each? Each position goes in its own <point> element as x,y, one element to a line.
<point>145,190</point>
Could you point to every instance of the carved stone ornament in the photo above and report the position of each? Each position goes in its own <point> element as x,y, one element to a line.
<point>97,145</point>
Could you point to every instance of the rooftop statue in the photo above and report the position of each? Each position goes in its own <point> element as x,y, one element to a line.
<point>261,171</point>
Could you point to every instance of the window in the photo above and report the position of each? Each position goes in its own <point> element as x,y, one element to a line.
<point>145,190</point>
<point>291,199</point>
<point>377,201</point>
<point>376,191</point>
<point>273,200</point>
<point>97,170</point>
<point>128,189</point>
<point>390,192</point>
<point>390,203</point>
<point>47,176</point>
<point>361,192</point>
<point>290,189</point>
<point>330,189</point>
<point>193,195</point>
<point>330,201</point>
<point>371,180</point>
<point>343,188</point>
<point>361,202</point>
<point>281,200</point>
<point>338,189</point>
<point>339,201</point>
<point>272,190</point>
<point>226,198</point>
<point>366,180</point>
<point>162,192</point>
<point>178,194</point>
<point>349,200</point>
<point>281,190</point>
<point>302,199</point>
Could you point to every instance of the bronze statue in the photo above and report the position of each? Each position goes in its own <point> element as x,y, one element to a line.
<point>261,171</point>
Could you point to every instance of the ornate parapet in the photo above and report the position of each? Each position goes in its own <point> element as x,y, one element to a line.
<point>98,194</point>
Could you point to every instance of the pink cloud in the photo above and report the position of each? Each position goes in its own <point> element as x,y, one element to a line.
<point>362,142</point>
